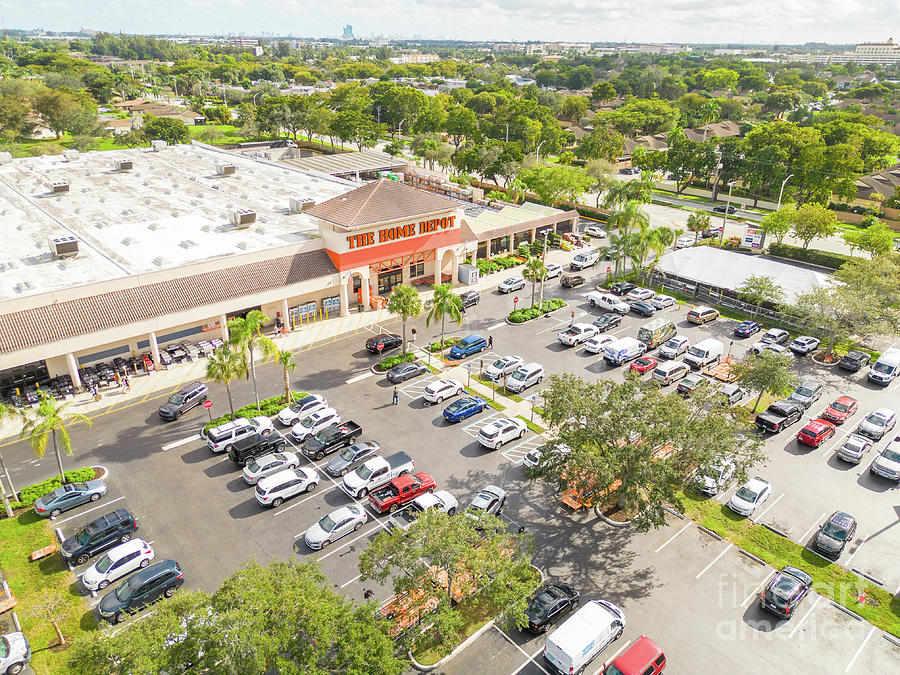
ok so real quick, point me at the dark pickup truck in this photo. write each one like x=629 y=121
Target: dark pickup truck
x=330 y=439
x=779 y=415
x=244 y=450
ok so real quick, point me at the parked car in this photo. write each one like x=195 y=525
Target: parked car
x=662 y=301
x=571 y=280
x=437 y=391
x=815 y=433
x=804 y=344
x=183 y=400
x=339 y=523
x=854 y=361
x=469 y=298
x=775 y=336
x=273 y=490
x=670 y=371
x=887 y=464
x=553 y=270
x=299 y=409
x=784 y=593
x=581 y=637
x=747 y=328
x=489 y=500
x=749 y=496
x=331 y=439
x=388 y=341
x=549 y=604
x=834 y=535
x=375 y=472
x=142 y=589
x=674 y=347
x=314 y=423
x=605 y=322
x=441 y=500
x=576 y=334
x=464 y=408
x=758 y=348
x=710 y=480
x=608 y=301
x=511 y=284
x=349 y=458
x=267 y=465
x=497 y=432
x=731 y=393
x=584 y=260
x=533 y=457
x=405 y=371
x=98 y=535
x=644 y=657
x=842 y=409
x=854 y=448
x=691 y=383
x=643 y=308
x=685 y=241
x=68 y=497
x=630 y=171
x=469 y=345
x=643 y=364
x=503 y=367
x=877 y=423
x=247 y=449
x=724 y=209
x=399 y=491
x=779 y=415
x=524 y=376
x=221 y=438
x=640 y=294
x=595 y=231
x=116 y=563
x=622 y=287
x=807 y=393
x=702 y=315
x=15 y=653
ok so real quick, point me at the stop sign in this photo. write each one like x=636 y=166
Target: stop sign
x=207 y=403
x=380 y=346
x=516 y=299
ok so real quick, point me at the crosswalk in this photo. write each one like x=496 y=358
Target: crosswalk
x=516 y=453
x=473 y=427
x=416 y=388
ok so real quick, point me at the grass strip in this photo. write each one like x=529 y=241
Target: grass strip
x=536 y=428
x=474 y=615
x=493 y=404
x=501 y=389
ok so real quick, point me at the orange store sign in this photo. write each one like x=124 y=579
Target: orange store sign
x=399 y=232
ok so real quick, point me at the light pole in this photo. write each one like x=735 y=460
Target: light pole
x=507 y=132
x=725 y=217
x=538 y=152
x=543 y=257
x=781 y=191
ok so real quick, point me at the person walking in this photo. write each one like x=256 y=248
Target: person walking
x=127 y=383
x=396 y=397
x=490 y=341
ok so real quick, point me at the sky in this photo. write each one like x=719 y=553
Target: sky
x=680 y=21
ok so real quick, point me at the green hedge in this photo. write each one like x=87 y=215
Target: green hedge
x=268 y=407
x=31 y=493
x=812 y=256
x=436 y=346
x=391 y=361
x=528 y=313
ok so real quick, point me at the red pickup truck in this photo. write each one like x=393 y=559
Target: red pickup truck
x=401 y=490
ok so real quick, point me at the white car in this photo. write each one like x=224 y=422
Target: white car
x=273 y=490
x=775 y=336
x=877 y=423
x=299 y=409
x=116 y=563
x=685 y=241
x=511 y=284
x=314 y=423
x=674 y=347
x=854 y=448
x=638 y=294
x=577 y=333
x=335 y=525
x=221 y=438
x=887 y=464
x=553 y=270
x=596 y=344
x=268 y=465
x=441 y=500
x=749 y=496
x=714 y=478
x=804 y=344
x=595 y=231
x=533 y=457
x=436 y=392
x=15 y=652
x=760 y=347
x=494 y=434
x=503 y=367
x=662 y=301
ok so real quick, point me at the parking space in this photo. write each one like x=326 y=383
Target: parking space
x=516 y=453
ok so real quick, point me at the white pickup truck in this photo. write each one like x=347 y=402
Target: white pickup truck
x=375 y=473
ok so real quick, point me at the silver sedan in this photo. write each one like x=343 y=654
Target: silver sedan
x=268 y=465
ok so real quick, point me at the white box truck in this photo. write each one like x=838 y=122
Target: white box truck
x=704 y=353
x=622 y=350
x=578 y=641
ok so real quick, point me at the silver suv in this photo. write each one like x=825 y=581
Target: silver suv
x=221 y=438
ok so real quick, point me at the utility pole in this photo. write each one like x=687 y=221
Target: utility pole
x=725 y=217
x=543 y=257
x=781 y=191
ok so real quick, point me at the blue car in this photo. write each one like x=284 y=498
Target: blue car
x=471 y=344
x=69 y=496
x=463 y=408
x=747 y=328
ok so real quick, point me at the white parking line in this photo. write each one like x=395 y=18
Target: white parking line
x=859 y=651
x=812 y=527
x=315 y=493
x=758 y=588
x=297 y=536
x=766 y=510
x=497 y=325
x=808 y=612
x=613 y=657
x=852 y=555
x=714 y=561
x=183 y=441
x=344 y=585
x=345 y=545
x=81 y=513
x=829 y=447
x=672 y=538
x=361 y=376
x=530 y=658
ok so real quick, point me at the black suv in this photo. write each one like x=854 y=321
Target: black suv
x=183 y=400
x=141 y=589
x=469 y=298
x=784 y=593
x=245 y=450
x=622 y=287
x=98 y=535
x=854 y=361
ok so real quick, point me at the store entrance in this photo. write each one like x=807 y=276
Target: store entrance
x=388 y=279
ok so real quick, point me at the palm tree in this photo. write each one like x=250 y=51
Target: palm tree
x=285 y=358
x=49 y=420
x=676 y=136
x=631 y=215
x=444 y=304
x=224 y=366
x=660 y=239
x=644 y=187
x=534 y=271
x=698 y=222
x=406 y=302
x=617 y=194
x=709 y=113
x=246 y=335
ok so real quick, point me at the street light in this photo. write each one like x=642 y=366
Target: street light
x=538 y=153
x=781 y=191
x=727 y=206
x=543 y=257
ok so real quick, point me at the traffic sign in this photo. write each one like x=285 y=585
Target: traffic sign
x=207 y=403
x=380 y=346
x=515 y=298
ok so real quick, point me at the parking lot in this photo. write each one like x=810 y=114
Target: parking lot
x=689 y=592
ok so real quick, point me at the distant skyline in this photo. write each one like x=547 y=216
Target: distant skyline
x=679 y=21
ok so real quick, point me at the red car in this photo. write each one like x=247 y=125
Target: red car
x=643 y=364
x=401 y=490
x=815 y=433
x=841 y=410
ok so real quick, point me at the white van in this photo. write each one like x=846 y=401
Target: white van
x=622 y=350
x=525 y=376
x=583 y=636
x=886 y=368
x=704 y=353
x=608 y=301
x=586 y=259
x=670 y=371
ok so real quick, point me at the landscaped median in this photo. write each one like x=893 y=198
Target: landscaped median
x=497 y=387
x=533 y=312
x=830 y=580
x=268 y=407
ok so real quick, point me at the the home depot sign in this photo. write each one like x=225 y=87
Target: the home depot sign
x=398 y=232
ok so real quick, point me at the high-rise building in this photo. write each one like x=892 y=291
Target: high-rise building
x=348 y=33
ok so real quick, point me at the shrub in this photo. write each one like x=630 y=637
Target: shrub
x=436 y=346
x=31 y=493
x=809 y=255
x=528 y=313
x=486 y=266
x=268 y=407
x=391 y=361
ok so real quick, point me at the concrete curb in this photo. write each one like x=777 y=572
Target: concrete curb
x=469 y=640
x=775 y=531
x=847 y=611
x=752 y=557
x=869 y=577
x=711 y=533
x=99 y=476
x=610 y=522
x=673 y=512
x=522 y=323
x=891 y=638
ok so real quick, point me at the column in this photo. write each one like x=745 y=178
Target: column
x=512 y=238
x=154 y=350
x=345 y=308
x=285 y=316
x=454 y=270
x=223 y=322
x=365 y=293
x=72 y=362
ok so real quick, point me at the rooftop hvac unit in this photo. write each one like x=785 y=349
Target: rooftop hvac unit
x=300 y=204
x=64 y=247
x=225 y=169
x=59 y=186
x=5 y=157
x=243 y=218
x=70 y=155
x=158 y=145
x=124 y=165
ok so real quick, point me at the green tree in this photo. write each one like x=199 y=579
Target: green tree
x=601 y=143
x=660 y=238
x=813 y=221
x=759 y=288
x=601 y=172
x=555 y=183
x=461 y=124
x=444 y=304
x=245 y=335
x=876 y=239
x=406 y=303
x=447 y=556
x=573 y=108
x=631 y=215
x=603 y=92
x=285 y=359
x=50 y=421
x=778 y=223
x=224 y=366
x=767 y=373
x=535 y=272
x=168 y=129
x=698 y=222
